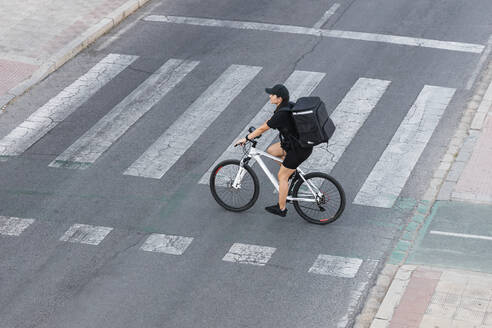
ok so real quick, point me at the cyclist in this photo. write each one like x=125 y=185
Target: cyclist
x=288 y=148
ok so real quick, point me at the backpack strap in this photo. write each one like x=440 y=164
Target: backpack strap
x=287 y=108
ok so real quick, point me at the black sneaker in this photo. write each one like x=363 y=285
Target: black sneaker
x=275 y=209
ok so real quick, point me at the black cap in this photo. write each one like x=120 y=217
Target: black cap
x=279 y=90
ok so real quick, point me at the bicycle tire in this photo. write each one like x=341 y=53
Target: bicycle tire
x=332 y=184
x=228 y=187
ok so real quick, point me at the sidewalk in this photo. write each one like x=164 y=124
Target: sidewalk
x=42 y=35
x=429 y=297
x=440 y=273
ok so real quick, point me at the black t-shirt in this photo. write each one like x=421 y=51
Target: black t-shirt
x=282 y=121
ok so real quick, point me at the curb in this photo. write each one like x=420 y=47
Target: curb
x=72 y=49
x=395 y=293
x=388 y=288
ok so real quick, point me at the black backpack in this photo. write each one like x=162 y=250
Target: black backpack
x=313 y=124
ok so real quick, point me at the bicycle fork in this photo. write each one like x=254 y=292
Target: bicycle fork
x=239 y=176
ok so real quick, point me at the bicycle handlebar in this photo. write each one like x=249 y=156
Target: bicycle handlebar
x=253 y=141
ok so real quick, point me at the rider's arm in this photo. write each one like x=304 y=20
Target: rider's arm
x=258 y=132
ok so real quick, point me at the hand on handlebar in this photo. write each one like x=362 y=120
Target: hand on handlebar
x=240 y=142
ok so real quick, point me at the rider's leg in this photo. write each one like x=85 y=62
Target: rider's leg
x=277 y=151
x=283 y=185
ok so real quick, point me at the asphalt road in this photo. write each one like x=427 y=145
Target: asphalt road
x=47 y=282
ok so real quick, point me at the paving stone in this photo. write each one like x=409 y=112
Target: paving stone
x=456 y=171
x=429 y=321
x=454 y=277
x=470 y=316
x=379 y=323
x=474 y=304
x=441 y=311
x=427 y=274
x=446 y=299
x=451 y=287
x=446 y=190
x=488 y=319
x=479 y=290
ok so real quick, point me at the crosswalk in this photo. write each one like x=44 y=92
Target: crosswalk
x=62 y=105
x=382 y=186
x=164 y=244
x=159 y=158
x=88 y=148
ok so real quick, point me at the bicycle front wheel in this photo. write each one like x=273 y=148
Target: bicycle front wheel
x=234 y=198
x=328 y=205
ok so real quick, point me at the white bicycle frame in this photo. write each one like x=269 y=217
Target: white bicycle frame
x=256 y=155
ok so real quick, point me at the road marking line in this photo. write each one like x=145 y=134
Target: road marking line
x=175 y=245
x=390 y=174
x=374 y=37
x=12 y=226
x=86 y=234
x=62 y=105
x=88 y=148
x=171 y=145
x=336 y=266
x=249 y=254
x=349 y=116
x=327 y=15
x=461 y=235
x=300 y=83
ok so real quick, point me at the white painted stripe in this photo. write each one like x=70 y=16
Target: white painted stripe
x=175 y=245
x=249 y=254
x=11 y=226
x=87 y=149
x=327 y=15
x=337 y=266
x=349 y=116
x=461 y=235
x=374 y=37
x=62 y=105
x=391 y=172
x=171 y=145
x=300 y=83
x=86 y=234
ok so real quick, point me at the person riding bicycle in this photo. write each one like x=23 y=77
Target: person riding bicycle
x=288 y=148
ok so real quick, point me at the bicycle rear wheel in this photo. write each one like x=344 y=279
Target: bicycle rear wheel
x=221 y=185
x=328 y=207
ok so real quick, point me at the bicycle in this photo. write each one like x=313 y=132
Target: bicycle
x=232 y=177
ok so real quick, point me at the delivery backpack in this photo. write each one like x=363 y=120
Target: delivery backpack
x=313 y=124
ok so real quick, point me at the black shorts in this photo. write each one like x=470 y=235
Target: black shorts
x=295 y=156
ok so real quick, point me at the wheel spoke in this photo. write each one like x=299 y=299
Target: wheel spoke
x=229 y=197
x=333 y=199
